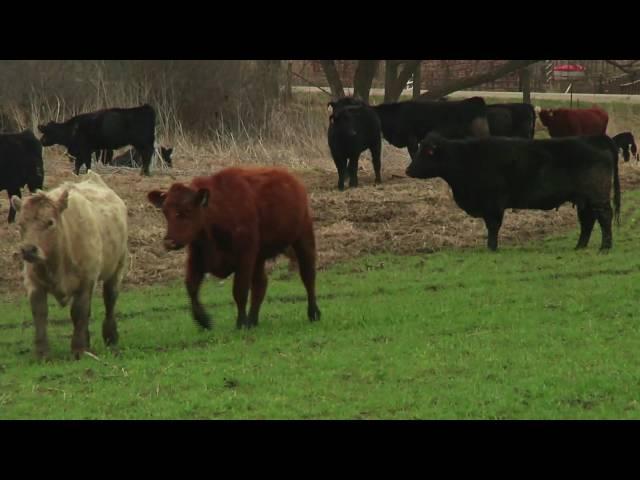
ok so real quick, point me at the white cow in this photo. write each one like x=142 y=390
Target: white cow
x=72 y=237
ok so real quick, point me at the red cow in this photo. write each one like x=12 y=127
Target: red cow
x=565 y=122
x=232 y=222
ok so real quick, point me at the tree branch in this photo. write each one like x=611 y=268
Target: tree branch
x=461 y=84
x=624 y=67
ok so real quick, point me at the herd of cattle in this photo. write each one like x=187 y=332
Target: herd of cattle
x=232 y=222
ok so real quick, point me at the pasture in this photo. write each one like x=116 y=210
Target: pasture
x=418 y=319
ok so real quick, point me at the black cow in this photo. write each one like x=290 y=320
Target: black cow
x=490 y=175
x=20 y=164
x=353 y=128
x=511 y=120
x=404 y=124
x=104 y=130
x=625 y=141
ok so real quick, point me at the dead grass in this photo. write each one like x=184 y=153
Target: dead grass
x=402 y=215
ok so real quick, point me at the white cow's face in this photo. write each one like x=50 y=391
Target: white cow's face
x=38 y=218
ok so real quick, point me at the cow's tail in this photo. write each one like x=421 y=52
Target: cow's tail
x=533 y=121
x=616 y=181
x=634 y=148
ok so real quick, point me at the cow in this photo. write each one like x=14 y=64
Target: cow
x=566 y=122
x=404 y=124
x=625 y=141
x=490 y=175
x=232 y=222
x=511 y=120
x=20 y=164
x=72 y=237
x=131 y=158
x=353 y=128
x=105 y=129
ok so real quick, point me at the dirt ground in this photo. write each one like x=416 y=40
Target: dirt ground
x=402 y=215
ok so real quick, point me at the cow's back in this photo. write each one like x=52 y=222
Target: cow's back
x=95 y=224
x=267 y=202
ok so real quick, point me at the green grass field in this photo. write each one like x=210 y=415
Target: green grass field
x=536 y=331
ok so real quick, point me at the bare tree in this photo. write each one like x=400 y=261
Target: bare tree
x=525 y=84
x=394 y=81
x=363 y=78
x=417 y=80
x=460 y=84
x=331 y=72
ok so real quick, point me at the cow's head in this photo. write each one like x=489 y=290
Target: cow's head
x=56 y=134
x=165 y=154
x=344 y=114
x=183 y=207
x=427 y=162
x=38 y=219
x=546 y=116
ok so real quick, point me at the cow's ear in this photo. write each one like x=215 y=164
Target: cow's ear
x=16 y=202
x=156 y=198
x=330 y=107
x=63 y=201
x=202 y=197
x=41 y=128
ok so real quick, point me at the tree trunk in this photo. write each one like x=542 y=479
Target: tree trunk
x=461 y=84
x=363 y=78
x=331 y=72
x=288 y=91
x=417 y=81
x=394 y=83
x=390 y=74
x=525 y=83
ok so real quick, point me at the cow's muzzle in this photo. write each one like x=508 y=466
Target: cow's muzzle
x=30 y=253
x=171 y=244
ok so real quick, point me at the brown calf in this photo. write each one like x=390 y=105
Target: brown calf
x=232 y=222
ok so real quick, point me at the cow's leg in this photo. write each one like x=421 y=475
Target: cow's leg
x=195 y=276
x=78 y=164
x=412 y=146
x=305 y=251
x=587 y=219
x=375 y=159
x=107 y=157
x=604 y=215
x=12 y=211
x=109 y=327
x=145 y=154
x=80 y=313
x=258 y=290
x=341 y=166
x=39 y=311
x=493 y=221
x=241 y=284
x=353 y=171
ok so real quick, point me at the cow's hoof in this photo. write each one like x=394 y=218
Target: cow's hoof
x=314 y=314
x=203 y=320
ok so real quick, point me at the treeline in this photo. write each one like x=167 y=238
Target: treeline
x=197 y=96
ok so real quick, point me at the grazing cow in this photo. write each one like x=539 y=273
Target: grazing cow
x=625 y=141
x=511 y=120
x=20 y=164
x=232 y=222
x=404 y=124
x=566 y=122
x=104 y=130
x=131 y=158
x=353 y=128
x=488 y=176
x=72 y=237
